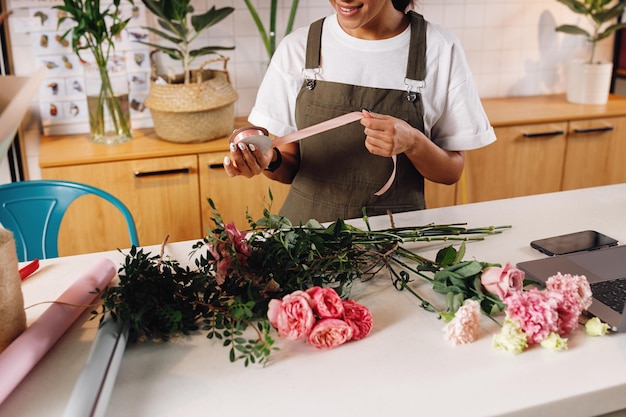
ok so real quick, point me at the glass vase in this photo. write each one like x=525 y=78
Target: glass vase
x=107 y=102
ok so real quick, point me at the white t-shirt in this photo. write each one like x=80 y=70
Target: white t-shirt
x=453 y=114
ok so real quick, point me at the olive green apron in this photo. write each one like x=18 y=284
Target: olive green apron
x=338 y=177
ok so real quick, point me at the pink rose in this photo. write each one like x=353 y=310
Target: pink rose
x=326 y=302
x=502 y=281
x=292 y=316
x=359 y=318
x=329 y=333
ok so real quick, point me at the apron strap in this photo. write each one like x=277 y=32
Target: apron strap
x=416 y=66
x=314 y=45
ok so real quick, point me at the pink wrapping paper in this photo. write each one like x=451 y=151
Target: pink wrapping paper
x=24 y=353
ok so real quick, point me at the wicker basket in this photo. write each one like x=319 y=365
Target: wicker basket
x=196 y=112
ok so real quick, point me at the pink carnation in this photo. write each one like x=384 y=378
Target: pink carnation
x=464 y=327
x=577 y=285
x=535 y=311
x=292 y=316
x=329 y=333
x=359 y=318
x=326 y=302
x=568 y=309
x=502 y=281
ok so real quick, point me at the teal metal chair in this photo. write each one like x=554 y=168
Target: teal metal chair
x=33 y=211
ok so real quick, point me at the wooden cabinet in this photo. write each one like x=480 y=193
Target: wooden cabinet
x=233 y=197
x=546 y=144
x=161 y=193
x=165 y=185
x=596 y=153
x=525 y=160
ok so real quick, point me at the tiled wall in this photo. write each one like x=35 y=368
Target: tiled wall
x=511 y=45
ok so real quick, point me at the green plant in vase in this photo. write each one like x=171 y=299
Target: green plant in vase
x=601 y=14
x=94 y=33
x=268 y=35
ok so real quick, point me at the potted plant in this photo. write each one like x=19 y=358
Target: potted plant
x=589 y=80
x=197 y=105
x=92 y=39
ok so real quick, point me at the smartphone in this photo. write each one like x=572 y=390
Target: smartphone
x=573 y=242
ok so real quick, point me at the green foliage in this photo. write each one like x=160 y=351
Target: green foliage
x=96 y=27
x=600 y=14
x=235 y=274
x=180 y=28
x=268 y=36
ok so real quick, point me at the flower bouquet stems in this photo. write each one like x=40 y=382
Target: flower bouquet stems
x=109 y=116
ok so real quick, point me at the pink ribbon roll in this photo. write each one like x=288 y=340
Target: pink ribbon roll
x=260 y=137
x=17 y=360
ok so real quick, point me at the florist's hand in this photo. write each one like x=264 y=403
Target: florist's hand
x=387 y=135
x=246 y=160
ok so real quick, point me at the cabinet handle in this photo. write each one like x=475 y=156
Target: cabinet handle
x=594 y=130
x=140 y=174
x=216 y=166
x=544 y=134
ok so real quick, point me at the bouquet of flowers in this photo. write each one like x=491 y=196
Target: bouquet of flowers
x=297 y=279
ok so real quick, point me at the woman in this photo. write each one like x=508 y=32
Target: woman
x=423 y=111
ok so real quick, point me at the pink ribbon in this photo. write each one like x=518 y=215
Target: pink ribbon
x=256 y=135
x=17 y=360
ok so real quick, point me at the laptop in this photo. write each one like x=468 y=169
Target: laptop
x=605 y=270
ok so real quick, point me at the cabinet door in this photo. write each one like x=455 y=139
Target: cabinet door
x=441 y=195
x=525 y=160
x=233 y=196
x=596 y=153
x=161 y=193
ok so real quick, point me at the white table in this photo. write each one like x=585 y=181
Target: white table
x=405 y=367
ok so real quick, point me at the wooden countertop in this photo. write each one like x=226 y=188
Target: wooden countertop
x=66 y=150
x=506 y=111
x=509 y=111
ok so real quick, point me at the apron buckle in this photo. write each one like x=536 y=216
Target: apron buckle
x=413 y=88
x=310 y=76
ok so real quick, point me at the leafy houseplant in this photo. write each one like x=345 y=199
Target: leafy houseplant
x=95 y=31
x=180 y=28
x=269 y=35
x=589 y=80
x=197 y=105
x=600 y=13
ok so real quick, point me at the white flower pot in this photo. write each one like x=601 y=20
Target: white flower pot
x=589 y=83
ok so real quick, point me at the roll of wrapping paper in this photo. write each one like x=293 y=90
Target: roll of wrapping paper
x=26 y=351
x=94 y=386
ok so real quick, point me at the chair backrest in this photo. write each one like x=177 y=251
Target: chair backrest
x=33 y=211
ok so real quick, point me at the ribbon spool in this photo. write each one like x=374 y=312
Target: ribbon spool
x=258 y=136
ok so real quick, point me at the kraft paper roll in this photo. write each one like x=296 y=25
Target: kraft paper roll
x=26 y=351
x=12 y=315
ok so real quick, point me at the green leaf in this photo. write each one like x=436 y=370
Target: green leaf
x=210 y=18
x=446 y=256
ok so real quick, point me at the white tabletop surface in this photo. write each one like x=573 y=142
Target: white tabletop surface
x=404 y=368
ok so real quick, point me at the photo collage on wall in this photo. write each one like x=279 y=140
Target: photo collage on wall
x=62 y=98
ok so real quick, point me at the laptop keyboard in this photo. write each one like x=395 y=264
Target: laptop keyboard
x=612 y=293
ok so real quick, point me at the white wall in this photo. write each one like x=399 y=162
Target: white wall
x=511 y=46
